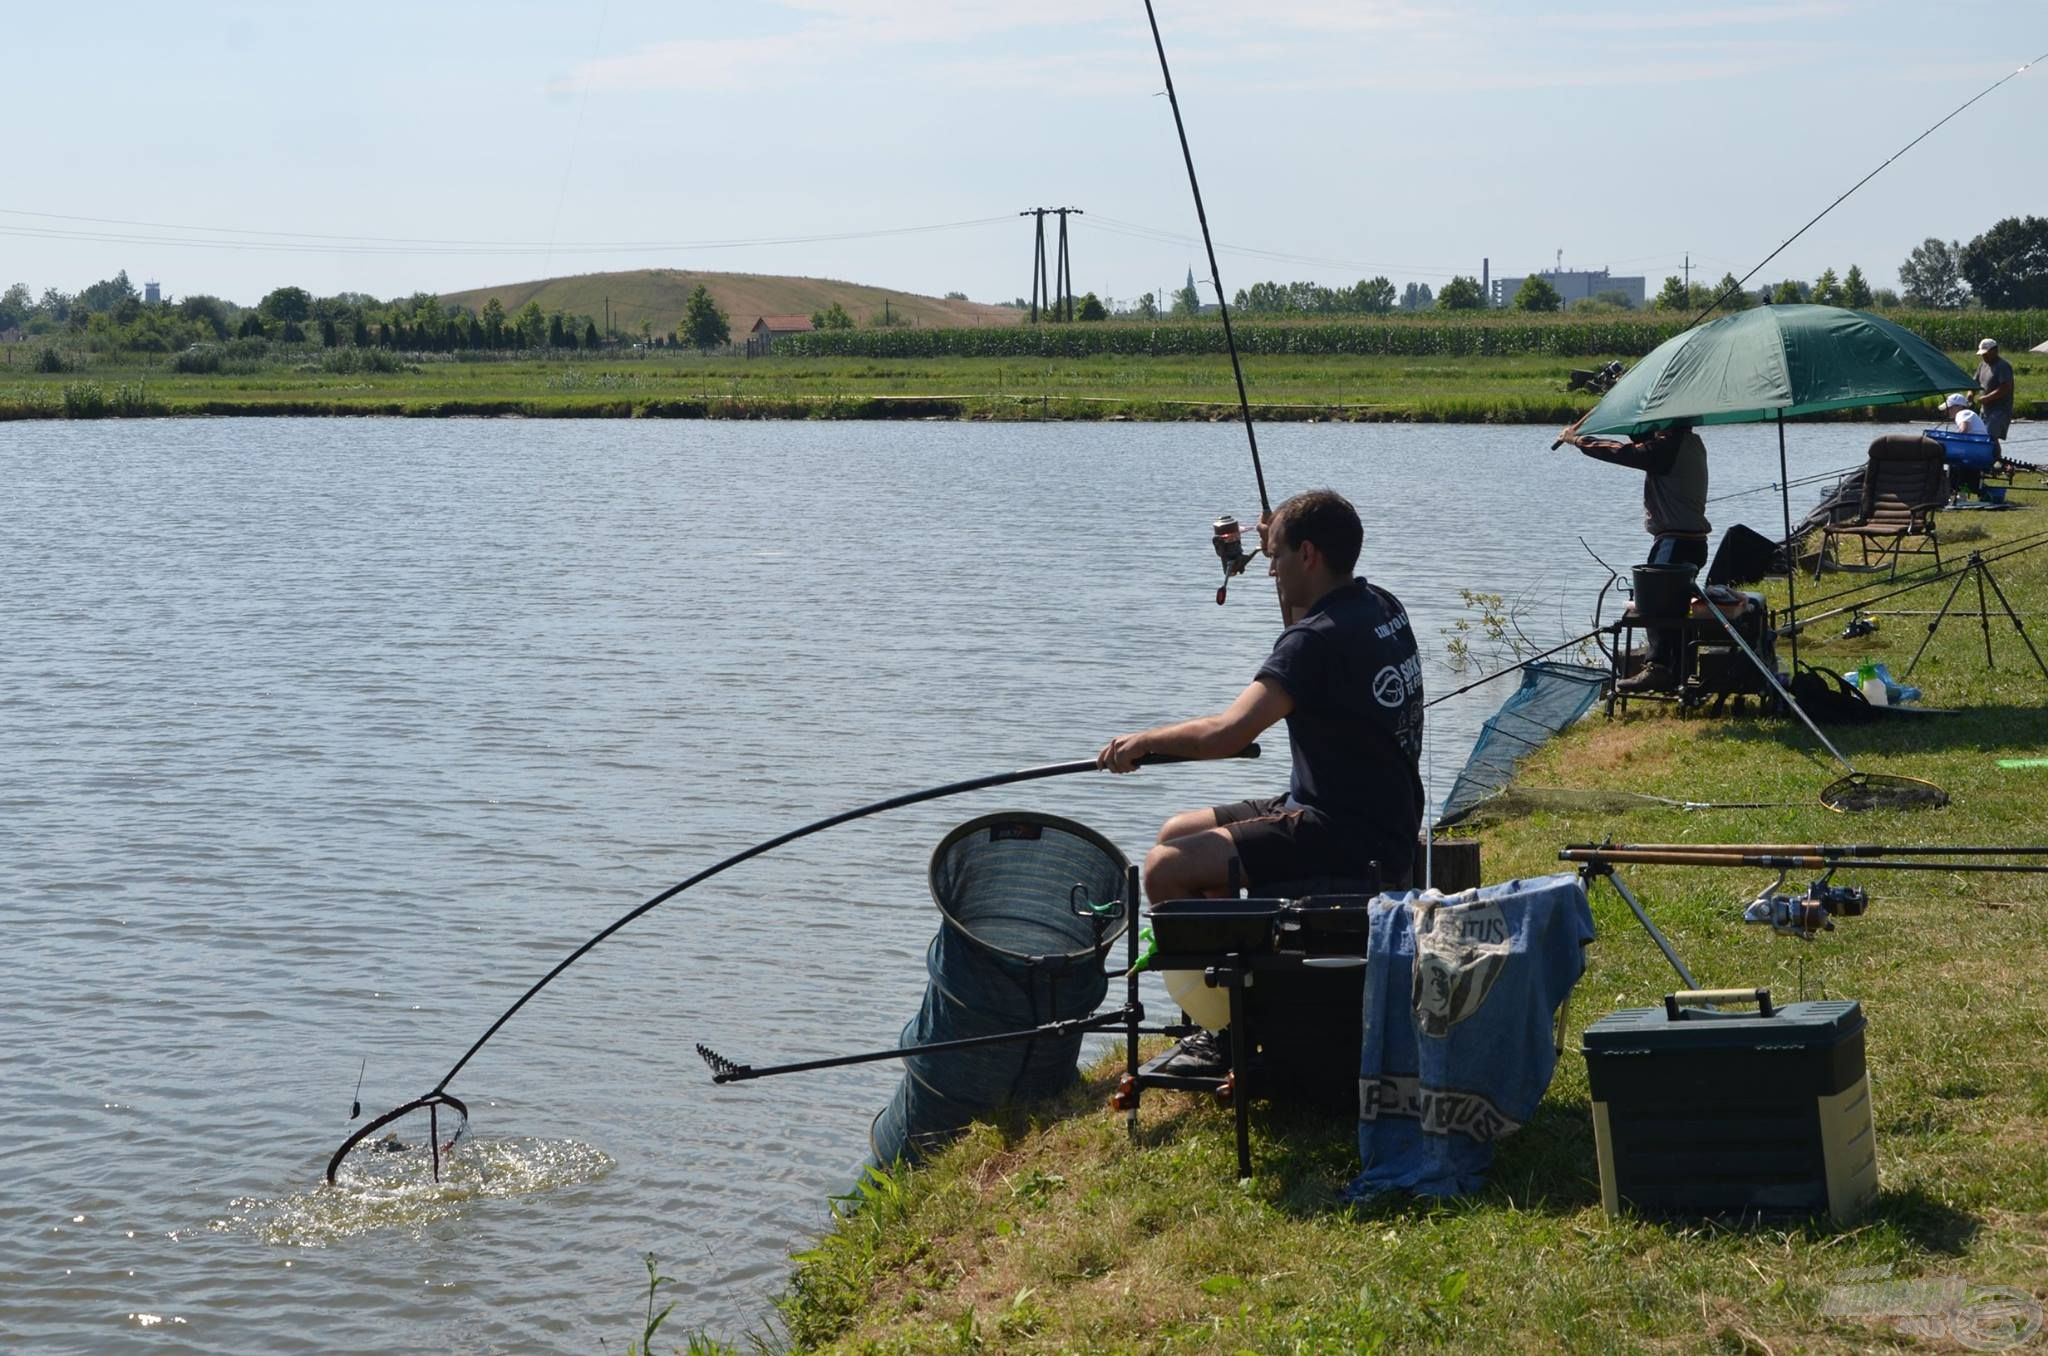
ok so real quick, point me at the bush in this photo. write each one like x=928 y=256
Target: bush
x=200 y=358
x=348 y=361
x=50 y=360
x=84 y=400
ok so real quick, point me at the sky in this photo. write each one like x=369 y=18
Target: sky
x=232 y=148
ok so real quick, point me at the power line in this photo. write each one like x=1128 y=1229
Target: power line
x=318 y=243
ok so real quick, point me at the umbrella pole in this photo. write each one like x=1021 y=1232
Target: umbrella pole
x=1791 y=564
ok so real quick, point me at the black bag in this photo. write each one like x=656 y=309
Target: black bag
x=1829 y=698
x=1744 y=557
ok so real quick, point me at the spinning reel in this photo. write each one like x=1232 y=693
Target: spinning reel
x=1805 y=916
x=1228 y=539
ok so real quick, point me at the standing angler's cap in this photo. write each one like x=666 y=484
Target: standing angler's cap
x=1987 y=346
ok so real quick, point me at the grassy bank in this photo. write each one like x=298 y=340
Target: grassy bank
x=1057 y=1233
x=1522 y=388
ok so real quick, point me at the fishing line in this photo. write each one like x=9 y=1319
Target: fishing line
x=1796 y=483
x=575 y=136
x=439 y=1096
x=1716 y=302
x=1244 y=403
x=1522 y=664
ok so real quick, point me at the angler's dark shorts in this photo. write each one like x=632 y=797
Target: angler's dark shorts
x=1276 y=843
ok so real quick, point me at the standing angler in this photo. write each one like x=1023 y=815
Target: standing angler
x=1674 y=466
x=1994 y=388
x=1346 y=678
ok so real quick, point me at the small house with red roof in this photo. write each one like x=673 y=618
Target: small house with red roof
x=769 y=328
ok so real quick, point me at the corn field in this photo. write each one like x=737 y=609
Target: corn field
x=1629 y=336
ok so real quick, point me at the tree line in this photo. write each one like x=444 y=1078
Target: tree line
x=111 y=315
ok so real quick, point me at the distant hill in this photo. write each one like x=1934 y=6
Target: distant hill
x=656 y=295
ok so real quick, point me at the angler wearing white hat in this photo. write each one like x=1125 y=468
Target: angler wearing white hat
x=1967 y=420
x=1994 y=386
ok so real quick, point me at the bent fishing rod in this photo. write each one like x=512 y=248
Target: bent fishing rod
x=439 y=1095
x=1716 y=303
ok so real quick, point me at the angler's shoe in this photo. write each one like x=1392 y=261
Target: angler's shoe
x=1649 y=678
x=1206 y=1054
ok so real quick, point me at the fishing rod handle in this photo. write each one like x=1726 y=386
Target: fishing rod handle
x=1156 y=759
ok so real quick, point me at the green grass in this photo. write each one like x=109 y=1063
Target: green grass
x=1054 y=1232
x=1512 y=389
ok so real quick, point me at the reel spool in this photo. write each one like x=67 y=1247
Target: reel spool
x=1805 y=916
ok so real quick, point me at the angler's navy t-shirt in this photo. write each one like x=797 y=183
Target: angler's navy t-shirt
x=1351 y=668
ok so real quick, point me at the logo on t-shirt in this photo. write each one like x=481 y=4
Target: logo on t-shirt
x=1387 y=687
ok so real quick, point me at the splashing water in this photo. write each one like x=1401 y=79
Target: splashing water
x=395 y=1189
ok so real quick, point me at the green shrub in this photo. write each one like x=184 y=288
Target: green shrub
x=50 y=360
x=84 y=400
x=348 y=361
x=200 y=358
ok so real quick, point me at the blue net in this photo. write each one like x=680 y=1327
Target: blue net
x=1026 y=907
x=1551 y=697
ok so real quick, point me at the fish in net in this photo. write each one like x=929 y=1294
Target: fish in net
x=411 y=1144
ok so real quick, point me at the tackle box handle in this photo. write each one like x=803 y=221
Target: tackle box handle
x=1760 y=997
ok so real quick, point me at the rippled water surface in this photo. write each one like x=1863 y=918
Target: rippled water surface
x=322 y=739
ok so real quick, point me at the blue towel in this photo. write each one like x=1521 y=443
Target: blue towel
x=1461 y=993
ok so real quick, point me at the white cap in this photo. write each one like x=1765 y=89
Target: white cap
x=1956 y=402
x=1986 y=345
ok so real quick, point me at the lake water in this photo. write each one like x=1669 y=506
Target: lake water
x=322 y=739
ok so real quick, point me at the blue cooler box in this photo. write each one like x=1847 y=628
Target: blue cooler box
x=1971 y=451
x=1698 y=1112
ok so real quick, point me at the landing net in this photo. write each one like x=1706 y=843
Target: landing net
x=411 y=1145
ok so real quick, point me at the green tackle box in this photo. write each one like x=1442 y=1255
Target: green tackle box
x=1765 y=1112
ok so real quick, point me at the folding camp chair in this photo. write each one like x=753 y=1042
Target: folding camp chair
x=1904 y=483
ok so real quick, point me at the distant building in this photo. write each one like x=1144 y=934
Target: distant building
x=152 y=292
x=1572 y=285
x=11 y=335
x=769 y=328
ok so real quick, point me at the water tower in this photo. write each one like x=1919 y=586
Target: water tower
x=152 y=292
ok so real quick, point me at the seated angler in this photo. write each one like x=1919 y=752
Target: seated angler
x=1346 y=678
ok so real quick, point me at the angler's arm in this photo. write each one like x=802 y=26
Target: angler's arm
x=1996 y=394
x=1217 y=736
x=1635 y=456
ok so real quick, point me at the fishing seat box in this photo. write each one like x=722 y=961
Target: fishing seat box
x=1763 y=1113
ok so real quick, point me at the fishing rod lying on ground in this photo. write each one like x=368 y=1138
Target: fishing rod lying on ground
x=1704 y=854
x=1824 y=849
x=438 y=1097
x=1802 y=915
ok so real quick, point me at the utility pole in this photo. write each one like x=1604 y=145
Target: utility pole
x=1688 y=277
x=1059 y=304
x=1066 y=266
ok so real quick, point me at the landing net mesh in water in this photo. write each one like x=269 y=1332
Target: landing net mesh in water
x=405 y=1147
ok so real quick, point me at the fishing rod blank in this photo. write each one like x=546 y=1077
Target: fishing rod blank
x=1824 y=849
x=1716 y=302
x=724 y=1070
x=1779 y=861
x=439 y=1096
x=1244 y=403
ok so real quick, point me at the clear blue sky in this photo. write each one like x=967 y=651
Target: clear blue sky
x=1362 y=137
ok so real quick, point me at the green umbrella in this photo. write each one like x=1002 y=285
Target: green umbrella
x=1775 y=362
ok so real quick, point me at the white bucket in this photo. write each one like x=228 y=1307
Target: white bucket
x=1205 y=1006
